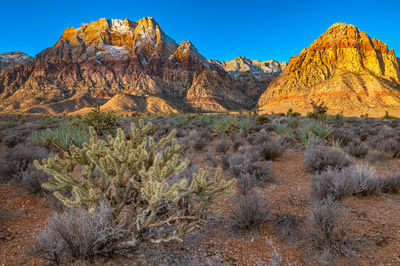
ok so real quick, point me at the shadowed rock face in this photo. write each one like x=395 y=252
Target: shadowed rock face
x=105 y=58
x=345 y=68
x=13 y=59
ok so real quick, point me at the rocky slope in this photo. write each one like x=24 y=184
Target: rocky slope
x=13 y=59
x=109 y=60
x=253 y=74
x=346 y=69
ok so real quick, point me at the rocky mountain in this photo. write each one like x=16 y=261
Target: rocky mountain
x=108 y=61
x=346 y=69
x=13 y=59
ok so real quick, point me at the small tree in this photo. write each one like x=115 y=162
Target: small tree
x=102 y=122
x=134 y=177
x=319 y=111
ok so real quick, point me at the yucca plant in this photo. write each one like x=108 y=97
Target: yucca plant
x=282 y=129
x=60 y=139
x=225 y=125
x=310 y=128
x=244 y=126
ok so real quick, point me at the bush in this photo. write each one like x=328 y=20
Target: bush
x=14 y=161
x=244 y=126
x=225 y=125
x=272 y=149
x=346 y=136
x=313 y=128
x=263 y=119
x=33 y=178
x=245 y=183
x=136 y=175
x=251 y=211
x=196 y=141
x=222 y=145
x=286 y=226
x=327 y=231
x=318 y=158
x=360 y=180
x=102 y=122
x=60 y=139
x=390 y=184
x=282 y=129
x=78 y=234
x=246 y=163
x=319 y=111
x=391 y=147
x=357 y=150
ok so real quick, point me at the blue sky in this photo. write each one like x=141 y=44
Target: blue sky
x=219 y=29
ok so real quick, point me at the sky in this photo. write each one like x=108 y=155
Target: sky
x=219 y=29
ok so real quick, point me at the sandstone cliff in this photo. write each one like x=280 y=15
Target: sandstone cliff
x=107 y=58
x=346 y=69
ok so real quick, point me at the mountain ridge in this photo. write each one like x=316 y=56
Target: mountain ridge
x=104 y=58
x=345 y=68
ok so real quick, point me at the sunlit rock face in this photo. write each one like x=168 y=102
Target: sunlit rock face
x=107 y=58
x=345 y=68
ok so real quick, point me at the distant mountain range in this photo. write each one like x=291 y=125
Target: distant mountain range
x=109 y=60
x=134 y=66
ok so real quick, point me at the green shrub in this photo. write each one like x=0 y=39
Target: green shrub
x=7 y=124
x=282 y=129
x=225 y=125
x=263 y=119
x=244 y=125
x=139 y=177
x=319 y=111
x=102 y=122
x=310 y=128
x=60 y=139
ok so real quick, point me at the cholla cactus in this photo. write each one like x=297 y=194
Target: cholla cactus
x=134 y=173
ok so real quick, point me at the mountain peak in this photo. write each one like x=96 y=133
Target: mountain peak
x=344 y=67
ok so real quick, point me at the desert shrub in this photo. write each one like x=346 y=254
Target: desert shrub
x=134 y=176
x=319 y=157
x=246 y=163
x=360 y=180
x=101 y=121
x=356 y=149
x=282 y=129
x=327 y=230
x=33 y=178
x=390 y=184
x=237 y=144
x=286 y=225
x=272 y=149
x=204 y=119
x=7 y=124
x=225 y=161
x=222 y=145
x=14 y=161
x=245 y=183
x=251 y=211
x=263 y=119
x=244 y=126
x=225 y=125
x=345 y=135
x=319 y=111
x=313 y=128
x=197 y=141
x=391 y=147
x=78 y=234
x=61 y=138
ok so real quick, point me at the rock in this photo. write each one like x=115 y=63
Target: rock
x=346 y=69
x=105 y=58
